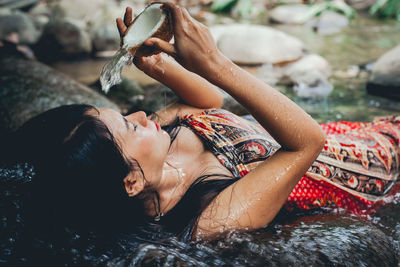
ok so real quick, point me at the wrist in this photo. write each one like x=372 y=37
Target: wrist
x=218 y=67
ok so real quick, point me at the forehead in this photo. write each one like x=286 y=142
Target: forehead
x=111 y=118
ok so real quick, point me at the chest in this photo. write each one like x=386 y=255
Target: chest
x=189 y=150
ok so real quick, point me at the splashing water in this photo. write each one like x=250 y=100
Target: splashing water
x=111 y=72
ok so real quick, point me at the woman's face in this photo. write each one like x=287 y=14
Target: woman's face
x=141 y=139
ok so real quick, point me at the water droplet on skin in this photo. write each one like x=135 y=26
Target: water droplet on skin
x=163 y=71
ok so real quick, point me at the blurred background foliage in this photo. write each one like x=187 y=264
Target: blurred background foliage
x=386 y=8
x=381 y=8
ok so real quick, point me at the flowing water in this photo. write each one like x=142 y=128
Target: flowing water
x=111 y=72
x=351 y=54
x=322 y=237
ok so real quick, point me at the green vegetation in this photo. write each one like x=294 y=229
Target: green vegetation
x=243 y=7
x=223 y=5
x=386 y=9
x=382 y=8
x=336 y=6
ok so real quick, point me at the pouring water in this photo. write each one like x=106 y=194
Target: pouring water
x=111 y=72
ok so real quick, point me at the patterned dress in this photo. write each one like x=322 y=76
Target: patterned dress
x=356 y=169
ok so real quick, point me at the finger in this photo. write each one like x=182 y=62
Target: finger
x=121 y=27
x=161 y=45
x=186 y=14
x=176 y=12
x=128 y=16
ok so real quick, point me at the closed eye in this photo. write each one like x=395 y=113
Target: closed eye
x=129 y=124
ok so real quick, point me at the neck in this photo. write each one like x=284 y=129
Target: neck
x=175 y=181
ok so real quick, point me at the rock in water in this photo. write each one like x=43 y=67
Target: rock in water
x=310 y=76
x=16 y=3
x=256 y=44
x=29 y=88
x=21 y=24
x=63 y=38
x=288 y=14
x=385 y=79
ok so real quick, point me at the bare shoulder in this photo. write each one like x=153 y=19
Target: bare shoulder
x=167 y=115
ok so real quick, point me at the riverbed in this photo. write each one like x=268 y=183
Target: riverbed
x=322 y=237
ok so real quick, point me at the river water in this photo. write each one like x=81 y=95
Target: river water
x=318 y=238
x=350 y=54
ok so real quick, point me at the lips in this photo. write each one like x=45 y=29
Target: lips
x=157 y=126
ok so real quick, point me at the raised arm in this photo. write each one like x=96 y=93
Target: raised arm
x=194 y=90
x=254 y=200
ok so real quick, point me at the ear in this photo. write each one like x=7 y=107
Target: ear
x=133 y=184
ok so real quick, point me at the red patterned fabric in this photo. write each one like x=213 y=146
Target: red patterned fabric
x=356 y=169
x=310 y=193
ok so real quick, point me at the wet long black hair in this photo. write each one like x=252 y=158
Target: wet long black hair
x=80 y=170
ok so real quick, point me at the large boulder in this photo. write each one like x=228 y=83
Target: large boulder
x=385 y=79
x=29 y=88
x=18 y=23
x=17 y=3
x=99 y=18
x=256 y=44
x=63 y=38
x=105 y=37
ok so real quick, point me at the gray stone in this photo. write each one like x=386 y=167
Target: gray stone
x=20 y=24
x=310 y=76
x=29 y=88
x=386 y=69
x=126 y=94
x=63 y=37
x=156 y=96
x=320 y=89
x=288 y=14
x=256 y=44
x=106 y=38
x=17 y=3
x=269 y=73
x=385 y=79
x=309 y=69
x=40 y=9
x=328 y=22
x=40 y=14
x=99 y=17
x=96 y=12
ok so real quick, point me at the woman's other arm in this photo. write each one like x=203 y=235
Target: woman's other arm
x=254 y=200
x=196 y=92
x=191 y=88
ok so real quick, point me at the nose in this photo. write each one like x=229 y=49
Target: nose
x=139 y=117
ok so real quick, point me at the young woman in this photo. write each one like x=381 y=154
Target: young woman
x=193 y=167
